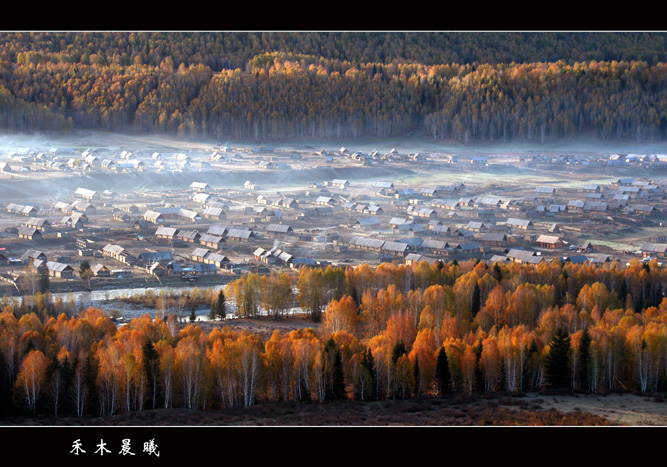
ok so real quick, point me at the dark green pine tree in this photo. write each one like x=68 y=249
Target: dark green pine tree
x=442 y=374
x=398 y=351
x=5 y=388
x=221 y=305
x=583 y=361
x=66 y=371
x=529 y=376
x=558 y=361
x=335 y=380
x=90 y=371
x=151 y=369
x=338 y=378
x=368 y=366
x=497 y=272
x=476 y=302
x=44 y=281
x=479 y=372
x=213 y=313
x=193 y=315
x=623 y=291
x=417 y=379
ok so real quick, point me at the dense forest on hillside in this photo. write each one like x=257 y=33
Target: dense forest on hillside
x=472 y=86
x=385 y=333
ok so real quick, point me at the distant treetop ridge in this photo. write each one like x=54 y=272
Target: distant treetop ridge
x=463 y=86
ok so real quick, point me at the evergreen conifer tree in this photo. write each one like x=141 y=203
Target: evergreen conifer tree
x=584 y=361
x=558 y=361
x=476 y=301
x=417 y=378
x=398 y=351
x=151 y=369
x=442 y=373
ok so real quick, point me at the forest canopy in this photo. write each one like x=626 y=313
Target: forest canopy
x=462 y=86
x=385 y=333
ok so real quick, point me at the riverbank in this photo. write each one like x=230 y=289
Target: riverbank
x=101 y=285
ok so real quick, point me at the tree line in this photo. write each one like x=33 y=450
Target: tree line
x=229 y=50
x=388 y=332
x=277 y=86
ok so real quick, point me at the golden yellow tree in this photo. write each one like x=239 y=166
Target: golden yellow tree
x=32 y=377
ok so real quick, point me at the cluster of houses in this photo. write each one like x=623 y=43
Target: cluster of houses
x=277 y=256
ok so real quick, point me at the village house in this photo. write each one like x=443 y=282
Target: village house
x=166 y=233
x=549 y=241
x=435 y=246
x=524 y=256
x=338 y=183
x=494 y=239
x=153 y=217
x=383 y=186
x=524 y=224
x=215 y=213
x=598 y=207
x=189 y=236
x=40 y=223
x=199 y=186
x=156 y=269
x=466 y=248
x=81 y=206
x=201 y=198
x=199 y=254
x=213 y=241
x=394 y=248
x=279 y=229
x=86 y=193
x=119 y=253
x=298 y=263
x=483 y=201
x=206 y=269
x=363 y=243
x=409 y=228
x=20 y=209
x=654 y=249
x=413 y=258
x=150 y=257
x=644 y=209
x=325 y=201
x=475 y=226
x=426 y=212
x=450 y=189
x=367 y=223
x=217 y=259
x=30 y=255
x=264 y=256
x=442 y=230
x=75 y=221
x=100 y=270
x=56 y=269
x=240 y=234
x=462 y=235
x=29 y=233
x=450 y=205
x=217 y=230
x=404 y=193
x=121 y=216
